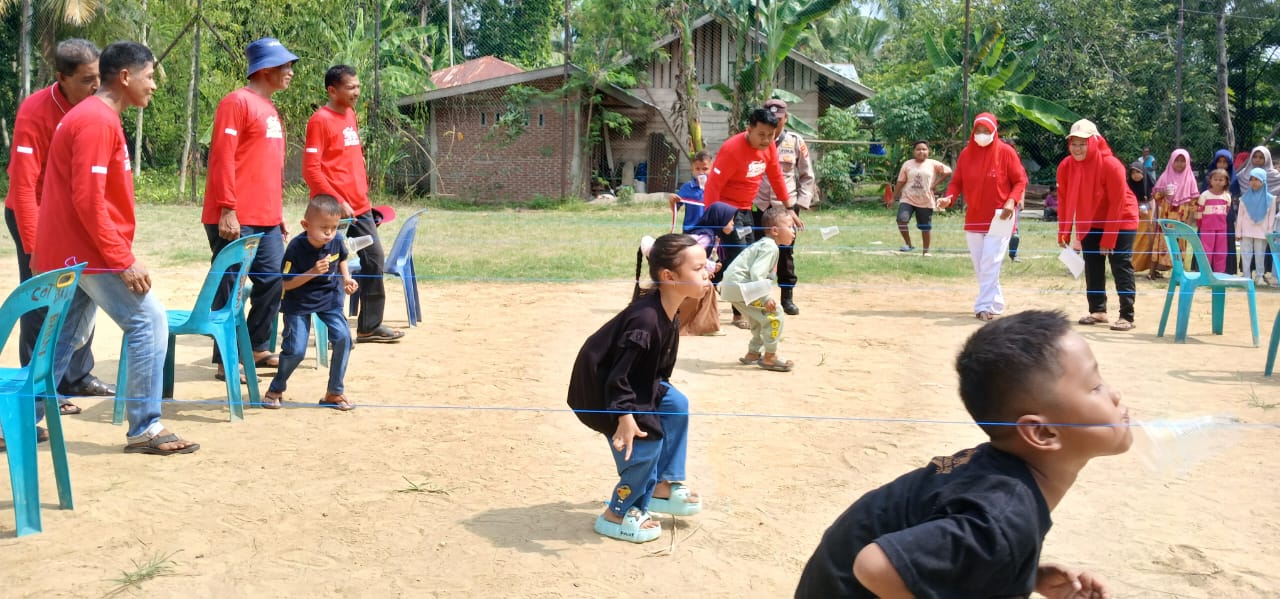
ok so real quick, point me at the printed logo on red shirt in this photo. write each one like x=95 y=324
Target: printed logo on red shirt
x=755 y=169
x=350 y=137
x=274 y=130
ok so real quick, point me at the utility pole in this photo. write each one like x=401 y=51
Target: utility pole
x=1177 y=125
x=964 y=100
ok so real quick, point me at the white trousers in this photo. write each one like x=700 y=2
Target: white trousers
x=987 y=253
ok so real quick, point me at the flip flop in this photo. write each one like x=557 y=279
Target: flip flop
x=380 y=335
x=68 y=409
x=152 y=446
x=678 y=504
x=1122 y=325
x=630 y=528
x=337 y=402
x=1091 y=320
x=267 y=361
x=777 y=366
x=271 y=400
x=222 y=376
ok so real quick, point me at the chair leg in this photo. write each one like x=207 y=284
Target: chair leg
x=1168 y=302
x=228 y=349
x=122 y=383
x=1271 y=348
x=245 y=347
x=322 y=341
x=1219 y=308
x=168 y=367
x=20 y=440
x=58 y=450
x=1186 y=296
x=1253 y=313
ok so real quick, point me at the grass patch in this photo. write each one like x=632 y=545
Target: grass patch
x=423 y=487
x=156 y=566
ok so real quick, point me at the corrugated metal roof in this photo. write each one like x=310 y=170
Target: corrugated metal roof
x=471 y=71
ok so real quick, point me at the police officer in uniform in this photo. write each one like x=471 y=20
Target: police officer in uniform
x=797 y=170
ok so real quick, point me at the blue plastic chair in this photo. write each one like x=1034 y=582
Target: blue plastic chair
x=400 y=264
x=225 y=325
x=20 y=386
x=1273 y=241
x=1186 y=283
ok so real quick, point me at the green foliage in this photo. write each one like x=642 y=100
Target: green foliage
x=518 y=31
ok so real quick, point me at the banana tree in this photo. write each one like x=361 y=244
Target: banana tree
x=71 y=12
x=763 y=33
x=1000 y=70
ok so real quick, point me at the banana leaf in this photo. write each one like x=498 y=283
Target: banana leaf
x=1046 y=113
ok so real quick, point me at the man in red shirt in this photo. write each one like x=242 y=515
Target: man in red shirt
x=87 y=214
x=244 y=190
x=333 y=164
x=76 y=70
x=741 y=163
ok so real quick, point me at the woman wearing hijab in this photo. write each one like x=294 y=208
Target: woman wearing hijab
x=1222 y=160
x=1093 y=196
x=1146 y=251
x=1260 y=157
x=702 y=316
x=1256 y=219
x=1175 y=196
x=990 y=176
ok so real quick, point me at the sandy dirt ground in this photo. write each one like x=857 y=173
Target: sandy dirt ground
x=462 y=475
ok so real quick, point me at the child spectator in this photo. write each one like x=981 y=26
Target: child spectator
x=620 y=388
x=972 y=524
x=315 y=291
x=756 y=263
x=1175 y=193
x=1051 y=204
x=1211 y=211
x=690 y=194
x=1254 y=221
x=916 y=180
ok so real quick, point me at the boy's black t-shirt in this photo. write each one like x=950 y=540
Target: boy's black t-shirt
x=322 y=292
x=966 y=526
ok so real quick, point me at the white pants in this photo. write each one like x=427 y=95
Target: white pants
x=1254 y=252
x=987 y=253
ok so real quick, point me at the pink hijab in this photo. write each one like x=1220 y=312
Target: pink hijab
x=1185 y=186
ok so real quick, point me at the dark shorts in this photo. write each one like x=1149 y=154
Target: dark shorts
x=924 y=216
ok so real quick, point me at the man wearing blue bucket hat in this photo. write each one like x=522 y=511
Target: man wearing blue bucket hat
x=245 y=185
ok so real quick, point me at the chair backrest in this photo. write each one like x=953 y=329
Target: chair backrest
x=232 y=261
x=343 y=225
x=1175 y=230
x=401 y=254
x=53 y=291
x=1273 y=242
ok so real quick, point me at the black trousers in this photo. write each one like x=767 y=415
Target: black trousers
x=373 y=293
x=81 y=365
x=1095 y=272
x=786 y=256
x=737 y=242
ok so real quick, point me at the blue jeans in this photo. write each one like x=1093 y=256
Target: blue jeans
x=297 y=327
x=146 y=328
x=264 y=273
x=651 y=461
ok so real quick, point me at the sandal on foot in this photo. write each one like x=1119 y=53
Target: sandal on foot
x=267 y=361
x=380 y=335
x=42 y=436
x=1122 y=325
x=222 y=376
x=906 y=248
x=337 y=402
x=678 y=504
x=745 y=361
x=1093 y=319
x=985 y=316
x=630 y=529
x=271 y=400
x=68 y=409
x=777 y=365
x=150 y=444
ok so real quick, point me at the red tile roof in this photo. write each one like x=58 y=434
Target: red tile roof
x=476 y=69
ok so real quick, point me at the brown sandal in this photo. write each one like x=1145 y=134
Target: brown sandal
x=1122 y=325
x=272 y=400
x=1093 y=319
x=337 y=402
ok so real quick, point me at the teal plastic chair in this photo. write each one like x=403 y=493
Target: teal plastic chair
x=20 y=386
x=1186 y=283
x=317 y=327
x=1273 y=242
x=225 y=325
x=400 y=264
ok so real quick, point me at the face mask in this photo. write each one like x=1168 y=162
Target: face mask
x=984 y=139
x=702 y=180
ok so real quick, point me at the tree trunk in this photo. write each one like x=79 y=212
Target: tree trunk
x=24 y=49
x=189 y=137
x=688 y=92
x=1224 y=104
x=137 y=128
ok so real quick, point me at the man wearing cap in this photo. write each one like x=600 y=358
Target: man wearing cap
x=743 y=160
x=76 y=71
x=244 y=191
x=797 y=169
x=333 y=164
x=1093 y=195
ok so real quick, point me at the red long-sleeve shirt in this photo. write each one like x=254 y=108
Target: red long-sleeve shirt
x=736 y=173
x=86 y=209
x=987 y=177
x=246 y=161
x=1093 y=194
x=38 y=117
x=333 y=161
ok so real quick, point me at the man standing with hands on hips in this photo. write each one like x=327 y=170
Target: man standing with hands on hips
x=797 y=170
x=743 y=160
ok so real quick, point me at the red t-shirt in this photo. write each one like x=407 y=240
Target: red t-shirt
x=736 y=173
x=246 y=161
x=86 y=208
x=38 y=117
x=333 y=162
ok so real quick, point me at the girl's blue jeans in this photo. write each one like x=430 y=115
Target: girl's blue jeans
x=652 y=461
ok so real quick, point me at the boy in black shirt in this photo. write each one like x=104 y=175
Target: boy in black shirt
x=971 y=525
x=315 y=290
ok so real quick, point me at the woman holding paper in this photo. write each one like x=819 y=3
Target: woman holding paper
x=1094 y=196
x=990 y=176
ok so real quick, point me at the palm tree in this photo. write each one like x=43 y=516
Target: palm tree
x=52 y=13
x=846 y=36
